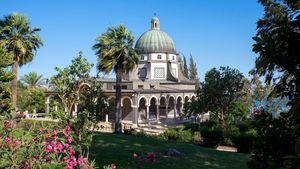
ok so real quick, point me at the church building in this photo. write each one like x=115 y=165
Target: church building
x=156 y=90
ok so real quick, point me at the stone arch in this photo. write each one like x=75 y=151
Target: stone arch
x=186 y=99
x=179 y=105
x=143 y=97
x=127 y=113
x=152 y=107
x=171 y=104
x=126 y=97
x=162 y=106
x=193 y=98
x=153 y=96
x=84 y=85
x=142 y=109
x=169 y=97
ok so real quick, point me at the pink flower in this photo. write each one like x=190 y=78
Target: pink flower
x=48 y=148
x=69 y=166
x=54 y=133
x=135 y=155
x=8 y=124
x=67 y=131
x=67 y=145
x=7 y=139
x=59 y=147
x=112 y=166
x=82 y=161
x=21 y=115
x=17 y=142
x=69 y=140
x=71 y=151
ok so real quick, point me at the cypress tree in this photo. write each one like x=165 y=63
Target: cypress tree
x=193 y=72
x=185 y=68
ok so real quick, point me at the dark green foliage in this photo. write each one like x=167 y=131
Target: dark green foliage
x=212 y=136
x=276 y=138
x=5 y=78
x=244 y=141
x=277 y=44
x=219 y=91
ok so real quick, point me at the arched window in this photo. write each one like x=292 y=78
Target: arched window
x=159 y=57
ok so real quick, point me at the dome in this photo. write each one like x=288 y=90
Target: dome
x=155 y=40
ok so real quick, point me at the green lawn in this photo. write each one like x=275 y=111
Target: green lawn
x=118 y=149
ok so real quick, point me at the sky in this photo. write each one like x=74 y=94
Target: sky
x=216 y=34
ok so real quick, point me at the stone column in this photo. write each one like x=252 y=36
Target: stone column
x=157 y=112
x=147 y=112
x=181 y=108
x=167 y=105
x=175 y=109
x=106 y=118
x=135 y=111
x=47 y=104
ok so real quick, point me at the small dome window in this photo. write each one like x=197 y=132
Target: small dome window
x=143 y=57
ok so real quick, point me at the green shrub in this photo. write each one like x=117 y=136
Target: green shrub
x=193 y=127
x=178 y=134
x=244 y=141
x=171 y=134
x=212 y=136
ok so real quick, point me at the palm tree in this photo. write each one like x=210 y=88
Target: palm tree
x=115 y=52
x=32 y=79
x=17 y=37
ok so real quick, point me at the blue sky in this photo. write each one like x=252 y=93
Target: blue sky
x=216 y=34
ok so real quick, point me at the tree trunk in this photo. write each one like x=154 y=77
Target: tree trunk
x=118 y=125
x=14 y=84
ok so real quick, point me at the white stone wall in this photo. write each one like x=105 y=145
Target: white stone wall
x=158 y=65
x=153 y=56
x=171 y=56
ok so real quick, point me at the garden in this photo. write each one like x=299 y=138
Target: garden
x=258 y=115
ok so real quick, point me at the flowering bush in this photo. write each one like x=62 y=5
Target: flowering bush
x=39 y=148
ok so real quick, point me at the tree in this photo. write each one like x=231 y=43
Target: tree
x=32 y=99
x=277 y=44
x=32 y=79
x=219 y=91
x=68 y=81
x=185 y=68
x=194 y=72
x=18 y=38
x=115 y=52
x=5 y=77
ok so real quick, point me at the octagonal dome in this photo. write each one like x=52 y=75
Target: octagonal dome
x=155 y=40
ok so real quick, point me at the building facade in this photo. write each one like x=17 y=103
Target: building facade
x=156 y=90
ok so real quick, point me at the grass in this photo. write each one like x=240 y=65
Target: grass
x=118 y=149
